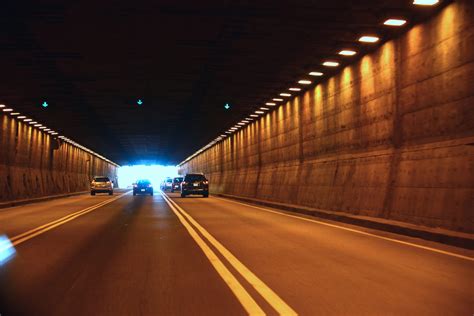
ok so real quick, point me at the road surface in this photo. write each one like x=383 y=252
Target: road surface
x=166 y=255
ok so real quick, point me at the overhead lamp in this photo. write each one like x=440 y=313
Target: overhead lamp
x=394 y=22
x=27 y=120
x=21 y=117
x=425 y=2
x=54 y=133
x=33 y=122
x=223 y=135
x=295 y=89
x=245 y=120
x=347 y=52
x=253 y=115
x=369 y=39
x=42 y=127
x=277 y=99
x=14 y=113
x=7 y=110
x=285 y=94
x=241 y=123
x=2 y=106
x=316 y=74
x=46 y=129
x=37 y=125
x=270 y=103
x=227 y=132
x=331 y=63
x=305 y=82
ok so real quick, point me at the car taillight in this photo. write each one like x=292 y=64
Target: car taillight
x=184 y=183
x=205 y=182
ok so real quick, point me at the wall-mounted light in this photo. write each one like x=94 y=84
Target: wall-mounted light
x=369 y=39
x=394 y=22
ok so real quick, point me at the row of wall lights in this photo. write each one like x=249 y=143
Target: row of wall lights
x=367 y=39
x=16 y=115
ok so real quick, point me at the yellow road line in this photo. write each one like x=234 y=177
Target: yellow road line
x=239 y=291
x=353 y=230
x=268 y=294
x=18 y=239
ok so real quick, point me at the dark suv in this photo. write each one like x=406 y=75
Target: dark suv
x=195 y=183
x=142 y=187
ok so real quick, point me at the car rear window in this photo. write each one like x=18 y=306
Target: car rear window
x=194 y=177
x=178 y=179
x=144 y=182
x=101 y=179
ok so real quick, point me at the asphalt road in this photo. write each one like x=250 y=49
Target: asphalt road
x=156 y=255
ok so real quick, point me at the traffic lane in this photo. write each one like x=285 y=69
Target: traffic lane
x=321 y=269
x=19 y=219
x=131 y=256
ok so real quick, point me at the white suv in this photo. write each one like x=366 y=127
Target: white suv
x=102 y=185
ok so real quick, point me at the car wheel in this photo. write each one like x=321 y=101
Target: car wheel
x=205 y=195
x=92 y=193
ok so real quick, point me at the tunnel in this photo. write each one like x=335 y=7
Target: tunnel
x=237 y=157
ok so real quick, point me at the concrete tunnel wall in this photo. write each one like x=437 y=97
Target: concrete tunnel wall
x=391 y=136
x=34 y=164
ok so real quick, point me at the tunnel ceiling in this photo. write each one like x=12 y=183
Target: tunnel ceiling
x=93 y=60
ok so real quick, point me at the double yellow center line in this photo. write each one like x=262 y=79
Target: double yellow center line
x=249 y=304
x=18 y=239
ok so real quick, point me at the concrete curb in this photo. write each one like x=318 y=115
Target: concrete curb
x=462 y=240
x=39 y=199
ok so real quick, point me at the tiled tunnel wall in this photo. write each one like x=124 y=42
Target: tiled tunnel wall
x=33 y=164
x=390 y=136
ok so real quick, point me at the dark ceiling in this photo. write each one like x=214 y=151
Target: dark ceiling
x=92 y=60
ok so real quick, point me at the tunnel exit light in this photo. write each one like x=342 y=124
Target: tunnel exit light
x=425 y=2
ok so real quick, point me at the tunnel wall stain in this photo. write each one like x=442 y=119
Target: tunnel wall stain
x=391 y=136
x=34 y=164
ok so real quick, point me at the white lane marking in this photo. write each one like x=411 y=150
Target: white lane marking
x=18 y=239
x=266 y=292
x=239 y=291
x=352 y=230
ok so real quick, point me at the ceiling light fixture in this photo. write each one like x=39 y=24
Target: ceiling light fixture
x=21 y=117
x=277 y=99
x=265 y=109
x=285 y=94
x=270 y=103
x=316 y=74
x=33 y=122
x=369 y=39
x=42 y=127
x=295 y=89
x=2 y=106
x=259 y=112
x=15 y=114
x=347 y=52
x=331 y=63
x=27 y=120
x=38 y=125
x=425 y=2
x=394 y=22
x=7 y=110
x=305 y=82
x=253 y=115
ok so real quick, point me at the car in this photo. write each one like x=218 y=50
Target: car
x=143 y=187
x=101 y=184
x=176 y=186
x=166 y=184
x=195 y=183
